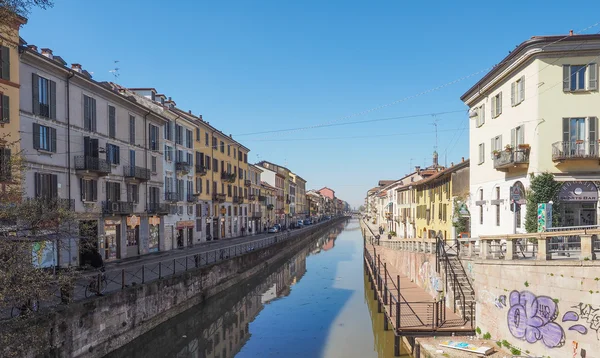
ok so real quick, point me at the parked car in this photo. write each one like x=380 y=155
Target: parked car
x=307 y=222
x=278 y=227
x=300 y=223
x=273 y=229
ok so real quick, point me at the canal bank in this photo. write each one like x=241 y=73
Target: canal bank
x=94 y=327
x=313 y=304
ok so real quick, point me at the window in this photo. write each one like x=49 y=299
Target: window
x=214 y=142
x=190 y=159
x=5 y=165
x=234 y=153
x=190 y=187
x=5 y=63
x=245 y=158
x=229 y=190
x=580 y=77
x=498 y=206
x=496 y=145
x=178 y=134
x=190 y=209
x=197 y=134
x=89 y=189
x=215 y=187
x=222 y=147
x=131 y=130
x=153 y=165
x=517 y=136
x=198 y=185
x=132 y=193
x=154 y=195
x=580 y=137
x=207 y=161
x=45 y=186
x=89 y=113
x=497 y=105
x=113 y=191
x=112 y=119
x=44 y=97
x=179 y=189
x=179 y=157
x=517 y=91
x=228 y=150
x=153 y=137
x=113 y=154
x=206 y=139
x=189 y=138
x=480 y=115
x=4 y=109
x=215 y=165
x=200 y=159
x=168 y=153
x=44 y=138
x=168 y=131
x=481 y=153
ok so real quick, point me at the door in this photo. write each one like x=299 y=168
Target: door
x=207 y=232
x=88 y=232
x=180 y=238
x=133 y=239
x=190 y=232
x=215 y=234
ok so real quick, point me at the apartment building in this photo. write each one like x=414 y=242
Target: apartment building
x=9 y=96
x=268 y=202
x=255 y=212
x=300 y=196
x=97 y=151
x=537 y=111
x=279 y=177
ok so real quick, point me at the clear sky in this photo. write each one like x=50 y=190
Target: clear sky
x=251 y=66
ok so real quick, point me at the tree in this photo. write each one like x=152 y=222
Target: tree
x=543 y=189
x=361 y=208
x=10 y=10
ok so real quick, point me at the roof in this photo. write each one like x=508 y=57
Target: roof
x=267 y=185
x=385 y=182
x=323 y=188
x=535 y=40
x=260 y=164
x=439 y=174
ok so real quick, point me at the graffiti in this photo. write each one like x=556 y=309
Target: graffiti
x=531 y=318
x=575 y=345
x=487 y=296
x=470 y=269
x=428 y=278
x=585 y=312
x=500 y=302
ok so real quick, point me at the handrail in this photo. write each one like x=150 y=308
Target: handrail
x=442 y=250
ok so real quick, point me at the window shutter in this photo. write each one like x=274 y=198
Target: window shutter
x=53 y=186
x=36 y=136
x=522 y=89
x=87 y=120
x=499 y=104
x=566 y=134
x=118 y=155
x=131 y=130
x=111 y=121
x=94 y=190
x=566 y=78
x=521 y=139
x=94 y=147
x=93 y=117
x=593 y=133
x=109 y=153
x=482 y=114
x=512 y=93
x=87 y=148
x=52 y=140
x=5 y=56
x=82 y=189
x=513 y=137
x=5 y=108
x=37 y=185
x=52 y=99
x=494 y=107
x=35 y=85
x=593 y=77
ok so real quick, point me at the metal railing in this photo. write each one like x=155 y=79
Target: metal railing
x=158 y=208
x=172 y=196
x=229 y=177
x=247 y=182
x=219 y=197
x=201 y=170
x=505 y=159
x=183 y=167
x=93 y=164
x=131 y=171
x=117 y=207
x=578 y=149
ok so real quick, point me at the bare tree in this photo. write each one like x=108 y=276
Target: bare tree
x=10 y=10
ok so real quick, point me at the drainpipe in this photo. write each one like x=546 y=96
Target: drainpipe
x=71 y=74
x=214 y=192
x=146 y=156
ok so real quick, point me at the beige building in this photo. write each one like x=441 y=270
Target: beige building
x=268 y=202
x=255 y=220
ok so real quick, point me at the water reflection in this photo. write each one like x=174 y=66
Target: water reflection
x=220 y=327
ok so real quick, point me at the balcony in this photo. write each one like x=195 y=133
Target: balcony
x=251 y=197
x=158 y=208
x=575 y=150
x=191 y=198
x=201 y=170
x=247 y=182
x=257 y=215
x=135 y=172
x=219 y=197
x=183 y=167
x=117 y=207
x=92 y=164
x=238 y=199
x=270 y=207
x=513 y=158
x=171 y=196
x=262 y=198
x=228 y=177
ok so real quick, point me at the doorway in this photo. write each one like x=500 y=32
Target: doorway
x=179 y=238
x=215 y=235
x=88 y=233
x=190 y=232
x=133 y=239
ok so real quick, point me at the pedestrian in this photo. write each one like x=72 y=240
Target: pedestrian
x=265 y=228
x=243 y=230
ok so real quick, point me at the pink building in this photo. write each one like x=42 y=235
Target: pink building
x=326 y=192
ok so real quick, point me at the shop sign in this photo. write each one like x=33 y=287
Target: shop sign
x=154 y=221
x=223 y=211
x=575 y=191
x=133 y=221
x=112 y=222
x=182 y=224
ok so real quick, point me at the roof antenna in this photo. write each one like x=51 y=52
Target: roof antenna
x=115 y=71
x=435 y=124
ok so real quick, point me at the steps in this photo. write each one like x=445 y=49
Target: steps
x=461 y=281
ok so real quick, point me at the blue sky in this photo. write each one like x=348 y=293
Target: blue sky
x=250 y=66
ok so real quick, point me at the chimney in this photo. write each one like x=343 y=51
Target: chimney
x=76 y=67
x=48 y=53
x=417 y=168
x=200 y=116
x=451 y=164
x=462 y=159
x=571 y=33
x=170 y=99
x=32 y=48
x=190 y=111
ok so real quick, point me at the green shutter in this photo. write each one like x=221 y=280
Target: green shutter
x=35 y=85
x=52 y=140
x=5 y=57
x=52 y=99
x=36 y=136
x=5 y=109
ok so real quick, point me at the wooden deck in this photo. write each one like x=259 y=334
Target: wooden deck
x=420 y=314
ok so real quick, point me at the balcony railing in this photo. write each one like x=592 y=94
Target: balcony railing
x=238 y=199
x=43 y=203
x=505 y=160
x=257 y=214
x=191 y=198
x=92 y=164
x=200 y=170
x=219 y=197
x=247 y=182
x=172 y=196
x=578 y=149
x=262 y=198
x=228 y=177
x=158 y=208
x=136 y=172
x=251 y=197
x=117 y=207
x=183 y=167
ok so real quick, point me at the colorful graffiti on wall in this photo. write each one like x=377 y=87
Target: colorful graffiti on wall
x=584 y=313
x=531 y=318
x=429 y=279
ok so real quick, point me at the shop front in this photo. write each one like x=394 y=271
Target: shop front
x=185 y=232
x=133 y=235
x=579 y=202
x=108 y=245
x=154 y=233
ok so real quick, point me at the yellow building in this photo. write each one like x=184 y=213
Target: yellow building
x=255 y=222
x=9 y=93
x=435 y=200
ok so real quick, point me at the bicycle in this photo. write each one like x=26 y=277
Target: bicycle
x=31 y=305
x=92 y=287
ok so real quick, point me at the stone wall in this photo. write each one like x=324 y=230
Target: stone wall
x=547 y=308
x=94 y=327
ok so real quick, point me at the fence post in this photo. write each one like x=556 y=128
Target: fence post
x=123 y=278
x=385 y=283
x=143 y=273
x=173 y=267
x=160 y=269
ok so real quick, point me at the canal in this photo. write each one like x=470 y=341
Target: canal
x=318 y=303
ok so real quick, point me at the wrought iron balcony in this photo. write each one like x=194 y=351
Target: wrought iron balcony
x=575 y=150
x=251 y=197
x=158 y=208
x=191 y=198
x=92 y=164
x=514 y=158
x=270 y=207
x=183 y=167
x=262 y=198
x=219 y=197
x=238 y=199
x=247 y=182
x=135 y=172
x=257 y=214
x=117 y=207
x=201 y=170
x=228 y=177
x=172 y=196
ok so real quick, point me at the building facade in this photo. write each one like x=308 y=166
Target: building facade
x=255 y=222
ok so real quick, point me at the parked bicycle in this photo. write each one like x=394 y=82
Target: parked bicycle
x=97 y=285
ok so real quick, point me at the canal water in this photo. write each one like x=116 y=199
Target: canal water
x=316 y=304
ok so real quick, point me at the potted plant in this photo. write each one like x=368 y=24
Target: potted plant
x=524 y=146
x=508 y=148
x=579 y=141
x=496 y=153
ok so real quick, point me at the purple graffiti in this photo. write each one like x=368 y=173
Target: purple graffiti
x=500 y=301
x=579 y=328
x=532 y=318
x=570 y=316
x=588 y=314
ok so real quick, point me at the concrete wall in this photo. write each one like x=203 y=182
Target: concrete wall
x=550 y=309
x=94 y=327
